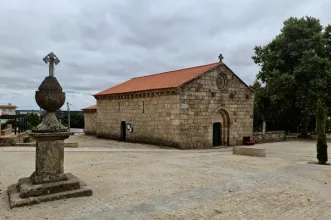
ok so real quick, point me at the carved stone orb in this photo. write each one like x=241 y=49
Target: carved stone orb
x=50 y=96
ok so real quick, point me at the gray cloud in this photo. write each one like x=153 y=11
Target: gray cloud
x=102 y=43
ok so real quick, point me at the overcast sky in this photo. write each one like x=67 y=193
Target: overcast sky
x=104 y=42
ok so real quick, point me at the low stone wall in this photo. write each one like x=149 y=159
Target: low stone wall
x=249 y=151
x=267 y=137
x=7 y=131
x=12 y=140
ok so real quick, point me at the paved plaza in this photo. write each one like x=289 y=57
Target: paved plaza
x=135 y=181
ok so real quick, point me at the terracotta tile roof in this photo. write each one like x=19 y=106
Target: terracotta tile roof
x=93 y=107
x=166 y=80
x=8 y=106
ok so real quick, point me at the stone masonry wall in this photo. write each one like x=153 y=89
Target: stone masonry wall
x=154 y=119
x=203 y=98
x=90 y=122
x=271 y=136
x=12 y=140
x=7 y=131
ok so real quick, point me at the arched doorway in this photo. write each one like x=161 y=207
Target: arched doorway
x=123 y=131
x=217 y=134
x=221 y=128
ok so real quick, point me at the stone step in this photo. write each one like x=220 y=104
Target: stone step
x=33 y=144
x=16 y=201
x=249 y=151
x=27 y=189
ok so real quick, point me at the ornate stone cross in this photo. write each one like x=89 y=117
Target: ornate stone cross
x=221 y=57
x=49 y=181
x=52 y=59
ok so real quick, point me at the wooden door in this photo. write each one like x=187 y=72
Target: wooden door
x=217 y=134
x=123 y=131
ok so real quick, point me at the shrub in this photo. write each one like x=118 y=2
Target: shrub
x=322 y=147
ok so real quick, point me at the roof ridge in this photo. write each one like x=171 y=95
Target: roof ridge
x=174 y=70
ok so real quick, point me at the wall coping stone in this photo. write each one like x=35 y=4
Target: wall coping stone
x=269 y=132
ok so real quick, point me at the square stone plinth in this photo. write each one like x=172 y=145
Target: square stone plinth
x=25 y=193
x=27 y=189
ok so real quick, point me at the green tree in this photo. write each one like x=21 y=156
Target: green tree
x=295 y=68
x=322 y=147
x=76 y=120
x=327 y=36
x=261 y=105
x=33 y=120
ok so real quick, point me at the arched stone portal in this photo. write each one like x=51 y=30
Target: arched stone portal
x=221 y=128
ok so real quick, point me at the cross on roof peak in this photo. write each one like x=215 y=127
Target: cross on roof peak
x=220 y=57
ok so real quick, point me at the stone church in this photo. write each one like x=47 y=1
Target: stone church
x=197 y=107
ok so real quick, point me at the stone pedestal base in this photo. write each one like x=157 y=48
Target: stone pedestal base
x=26 y=193
x=47 y=178
x=48 y=182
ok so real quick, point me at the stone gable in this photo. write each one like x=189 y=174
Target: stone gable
x=202 y=99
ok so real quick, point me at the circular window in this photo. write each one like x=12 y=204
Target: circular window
x=221 y=81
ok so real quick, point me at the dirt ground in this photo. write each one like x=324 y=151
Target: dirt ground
x=131 y=181
x=87 y=141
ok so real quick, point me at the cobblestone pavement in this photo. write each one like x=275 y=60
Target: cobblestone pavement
x=144 y=182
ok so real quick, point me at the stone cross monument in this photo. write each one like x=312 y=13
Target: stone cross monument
x=48 y=181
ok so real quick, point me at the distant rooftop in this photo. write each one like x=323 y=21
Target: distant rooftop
x=93 y=107
x=8 y=106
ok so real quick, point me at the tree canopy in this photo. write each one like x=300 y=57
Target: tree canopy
x=33 y=120
x=295 y=68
